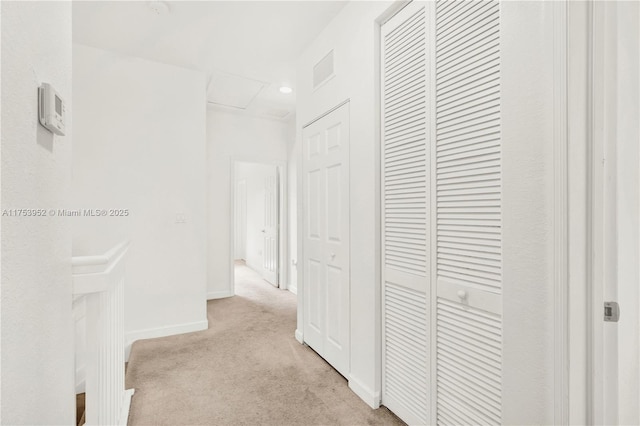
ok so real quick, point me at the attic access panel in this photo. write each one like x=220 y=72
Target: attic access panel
x=233 y=91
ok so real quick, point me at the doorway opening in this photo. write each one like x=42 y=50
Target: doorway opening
x=258 y=217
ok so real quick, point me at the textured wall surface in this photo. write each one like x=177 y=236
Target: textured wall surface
x=140 y=145
x=37 y=329
x=528 y=206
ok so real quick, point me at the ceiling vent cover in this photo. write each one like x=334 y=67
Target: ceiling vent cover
x=323 y=70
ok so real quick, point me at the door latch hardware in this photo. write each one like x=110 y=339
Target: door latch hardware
x=611 y=311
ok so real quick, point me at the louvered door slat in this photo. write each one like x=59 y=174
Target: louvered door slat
x=404 y=149
x=470 y=56
x=466 y=26
x=484 y=100
x=404 y=215
x=473 y=152
x=449 y=11
x=473 y=390
x=401 y=31
x=482 y=381
x=411 y=73
x=484 y=67
x=468 y=213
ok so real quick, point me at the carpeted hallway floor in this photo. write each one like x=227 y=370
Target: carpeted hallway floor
x=246 y=369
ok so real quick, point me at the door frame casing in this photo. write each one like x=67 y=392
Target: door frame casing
x=240 y=217
x=574 y=393
x=283 y=234
x=603 y=143
x=301 y=288
x=299 y=333
x=561 y=211
x=588 y=81
x=585 y=359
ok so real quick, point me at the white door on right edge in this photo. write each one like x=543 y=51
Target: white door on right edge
x=326 y=237
x=617 y=396
x=270 y=231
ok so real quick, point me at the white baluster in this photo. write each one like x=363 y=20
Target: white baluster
x=100 y=280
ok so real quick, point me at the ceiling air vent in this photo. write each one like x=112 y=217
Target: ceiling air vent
x=323 y=70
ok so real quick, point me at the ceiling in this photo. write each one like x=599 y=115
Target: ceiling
x=247 y=48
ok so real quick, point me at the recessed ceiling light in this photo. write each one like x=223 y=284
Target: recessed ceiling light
x=286 y=90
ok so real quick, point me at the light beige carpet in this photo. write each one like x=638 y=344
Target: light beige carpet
x=246 y=369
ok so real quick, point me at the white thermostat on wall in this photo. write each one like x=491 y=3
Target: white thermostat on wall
x=51 y=109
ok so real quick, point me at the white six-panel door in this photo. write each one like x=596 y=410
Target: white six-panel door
x=326 y=237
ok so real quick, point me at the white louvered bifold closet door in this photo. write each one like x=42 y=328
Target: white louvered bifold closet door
x=405 y=213
x=468 y=213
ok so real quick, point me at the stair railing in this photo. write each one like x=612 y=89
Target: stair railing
x=99 y=280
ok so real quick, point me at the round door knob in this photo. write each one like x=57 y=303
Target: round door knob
x=462 y=294
x=333 y=255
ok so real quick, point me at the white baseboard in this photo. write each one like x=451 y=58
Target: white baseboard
x=293 y=289
x=219 y=294
x=299 y=336
x=171 y=330
x=372 y=398
x=126 y=405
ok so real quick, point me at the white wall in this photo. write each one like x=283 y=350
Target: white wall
x=528 y=120
x=140 y=145
x=233 y=136
x=240 y=225
x=352 y=35
x=37 y=327
x=255 y=176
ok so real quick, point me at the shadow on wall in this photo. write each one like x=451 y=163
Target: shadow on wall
x=44 y=138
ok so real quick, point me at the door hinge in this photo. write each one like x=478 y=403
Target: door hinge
x=611 y=311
